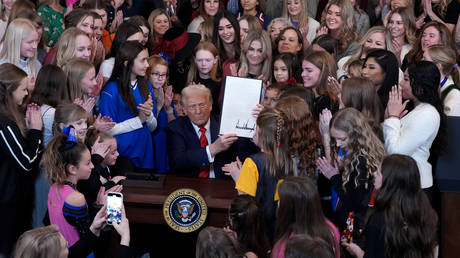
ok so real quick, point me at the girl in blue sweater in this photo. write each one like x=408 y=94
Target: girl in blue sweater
x=127 y=100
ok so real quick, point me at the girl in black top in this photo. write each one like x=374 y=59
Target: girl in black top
x=402 y=223
x=350 y=175
x=20 y=148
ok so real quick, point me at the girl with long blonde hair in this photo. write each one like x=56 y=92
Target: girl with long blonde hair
x=351 y=175
x=297 y=12
x=73 y=43
x=375 y=37
x=401 y=28
x=81 y=80
x=19 y=46
x=258 y=66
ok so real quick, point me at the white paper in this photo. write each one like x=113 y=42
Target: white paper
x=240 y=97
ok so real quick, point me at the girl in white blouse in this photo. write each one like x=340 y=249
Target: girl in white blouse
x=421 y=130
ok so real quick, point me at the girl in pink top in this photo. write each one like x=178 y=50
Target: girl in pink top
x=300 y=212
x=66 y=161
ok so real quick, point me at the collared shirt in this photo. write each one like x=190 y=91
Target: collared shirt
x=208 y=137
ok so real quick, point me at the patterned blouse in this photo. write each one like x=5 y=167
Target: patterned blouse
x=53 y=22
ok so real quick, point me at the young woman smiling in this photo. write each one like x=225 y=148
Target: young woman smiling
x=297 y=12
x=290 y=40
x=227 y=36
x=339 y=22
x=20 y=46
x=375 y=38
x=402 y=28
x=255 y=60
x=317 y=67
x=159 y=23
x=432 y=33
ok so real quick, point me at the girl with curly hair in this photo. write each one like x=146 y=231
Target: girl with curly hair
x=402 y=222
x=361 y=153
x=302 y=134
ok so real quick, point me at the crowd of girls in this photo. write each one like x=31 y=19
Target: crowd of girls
x=355 y=107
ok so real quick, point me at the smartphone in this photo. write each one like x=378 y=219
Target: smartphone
x=114 y=204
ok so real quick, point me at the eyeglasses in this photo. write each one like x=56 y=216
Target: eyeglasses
x=159 y=75
x=195 y=106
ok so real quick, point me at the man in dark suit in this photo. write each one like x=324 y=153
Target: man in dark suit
x=193 y=144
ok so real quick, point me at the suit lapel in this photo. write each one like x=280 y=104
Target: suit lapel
x=191 y=133
x=214 y=128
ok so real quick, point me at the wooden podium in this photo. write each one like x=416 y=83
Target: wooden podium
x=144 y=204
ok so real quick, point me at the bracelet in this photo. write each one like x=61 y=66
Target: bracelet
x=393 y=116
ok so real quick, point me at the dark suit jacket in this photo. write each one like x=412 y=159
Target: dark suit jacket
x=184 y=151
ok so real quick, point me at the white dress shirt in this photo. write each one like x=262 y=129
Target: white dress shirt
x=208 y=137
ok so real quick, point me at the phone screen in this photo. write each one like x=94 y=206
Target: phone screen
x=114 y=203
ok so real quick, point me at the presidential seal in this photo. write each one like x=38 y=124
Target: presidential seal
x=185 y=210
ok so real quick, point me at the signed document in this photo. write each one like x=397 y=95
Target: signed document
x=240 y=97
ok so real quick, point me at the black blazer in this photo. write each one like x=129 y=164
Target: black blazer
x=184 y=151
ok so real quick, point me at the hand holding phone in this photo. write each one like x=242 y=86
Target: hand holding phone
x=114 y=207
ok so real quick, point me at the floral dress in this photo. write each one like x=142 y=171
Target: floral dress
x=53 y=22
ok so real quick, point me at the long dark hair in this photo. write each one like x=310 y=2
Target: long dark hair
x=300 y=211
x=124 y=31
x=11 y=77
x=410 y=223
x=218 y=42
x=49 y=86
x=122 y=70
x=389 y=64
x=247 y=221
x=424 y=81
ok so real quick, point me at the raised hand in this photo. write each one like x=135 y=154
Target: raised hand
x=233 y=169
x=324 y=121
x=100 y=148
x=145 y=109
x=326 y=168
x=257 y=109
x=103 y=123
x=88 y=105
x=168 y=96
x=322 y=31
x=33 y=118
x=395 y=107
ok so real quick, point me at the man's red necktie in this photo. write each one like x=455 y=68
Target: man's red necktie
x=204 y=170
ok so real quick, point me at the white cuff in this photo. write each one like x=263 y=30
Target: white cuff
x=126 y=126
x=151 y=122
x=210 y=157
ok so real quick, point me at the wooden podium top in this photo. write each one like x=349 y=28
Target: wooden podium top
x=144 y=202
